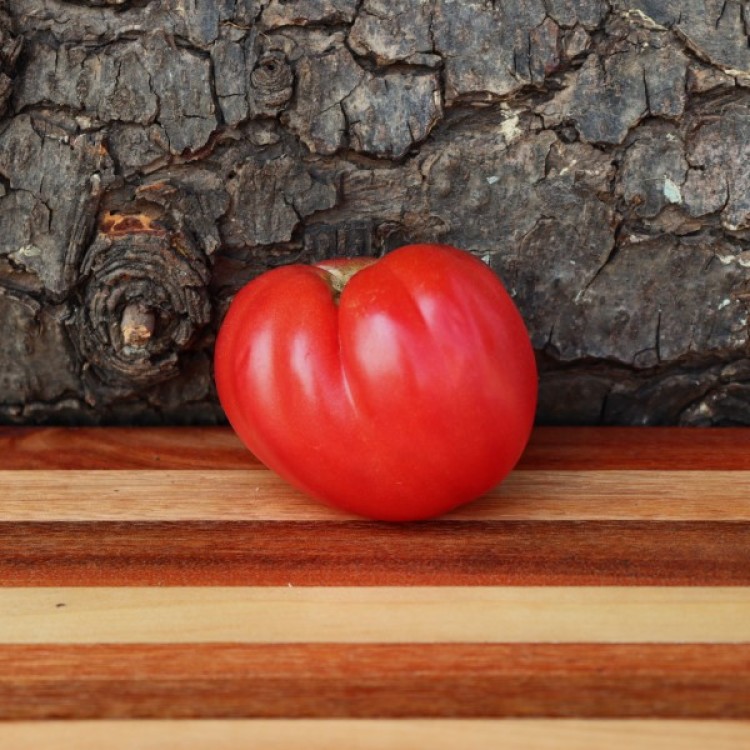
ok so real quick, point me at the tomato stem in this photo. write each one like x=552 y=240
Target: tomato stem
x=340 y=271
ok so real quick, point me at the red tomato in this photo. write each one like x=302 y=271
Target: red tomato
x=407 y=394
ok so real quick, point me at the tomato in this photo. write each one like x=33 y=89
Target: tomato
x=408 y=392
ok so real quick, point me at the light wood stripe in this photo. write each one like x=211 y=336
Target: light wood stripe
x=395 y=734
x=376 y=615
x=259 y=495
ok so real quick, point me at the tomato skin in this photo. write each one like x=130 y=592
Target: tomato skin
x=411 y=394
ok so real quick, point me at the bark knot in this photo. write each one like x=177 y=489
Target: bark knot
x=144 y=299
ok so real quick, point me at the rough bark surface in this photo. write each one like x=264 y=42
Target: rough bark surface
x=157 y=154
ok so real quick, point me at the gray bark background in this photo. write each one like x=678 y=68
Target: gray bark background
x=155 y=155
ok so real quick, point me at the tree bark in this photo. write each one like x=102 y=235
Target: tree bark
x=155 y=155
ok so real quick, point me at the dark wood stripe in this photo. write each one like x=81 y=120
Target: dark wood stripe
x=647 y=448
x=122 y=448
x=365 y=554
x=563 y=448
x=360 y=681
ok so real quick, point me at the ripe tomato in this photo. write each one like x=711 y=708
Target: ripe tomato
x=408 y=393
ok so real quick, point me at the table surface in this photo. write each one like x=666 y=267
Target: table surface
x=160 y=589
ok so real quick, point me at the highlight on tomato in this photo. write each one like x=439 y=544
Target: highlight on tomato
x=395 y=388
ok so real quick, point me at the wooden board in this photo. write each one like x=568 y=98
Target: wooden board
x=161 y=588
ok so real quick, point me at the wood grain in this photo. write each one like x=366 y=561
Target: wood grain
x=222 y=680
x=395 y=734
x=550 y=448
x=154 y=574
x=259 y=495
x=45 y=448
x=645 y=448
x=357 y=553
x=477 y=614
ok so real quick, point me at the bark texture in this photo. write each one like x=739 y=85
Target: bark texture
x=157 y=154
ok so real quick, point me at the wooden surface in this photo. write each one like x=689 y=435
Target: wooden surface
x=161 y=589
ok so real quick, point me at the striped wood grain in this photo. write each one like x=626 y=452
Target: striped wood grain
x=258 y=495
x=191 y=507
x=458 y=614
x=143 y=575
x=441 y=734
x=357 y=553
x=374 y=680
x=578 y=448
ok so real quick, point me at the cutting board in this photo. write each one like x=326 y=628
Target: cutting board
x=162 y=589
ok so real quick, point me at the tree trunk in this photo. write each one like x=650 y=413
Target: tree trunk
x=156 y=155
